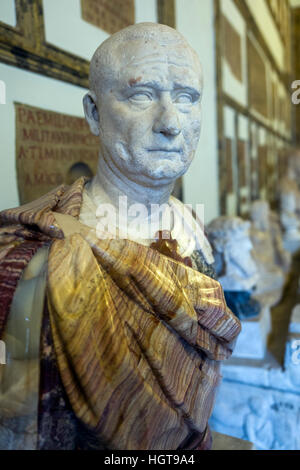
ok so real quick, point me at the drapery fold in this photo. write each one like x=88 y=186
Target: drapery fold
x=137 y=336
x=146 y=330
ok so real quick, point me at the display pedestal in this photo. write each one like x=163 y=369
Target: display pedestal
x=252 y=341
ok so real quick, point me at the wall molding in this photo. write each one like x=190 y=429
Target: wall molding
x=25 y=45
x=166 y=13
x=224 y=100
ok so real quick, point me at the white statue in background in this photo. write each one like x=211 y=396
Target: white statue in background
x=272 y=276
x=282 y=257
x=268 y=223
x=289 y=199
x=289 y=216
x=234 y=263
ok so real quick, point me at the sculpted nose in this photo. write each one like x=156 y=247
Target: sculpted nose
x=167 y=123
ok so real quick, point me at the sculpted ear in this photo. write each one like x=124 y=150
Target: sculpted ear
x=91 y=112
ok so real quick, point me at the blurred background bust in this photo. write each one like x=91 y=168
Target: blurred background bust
x=234 y=263
x=266 y=237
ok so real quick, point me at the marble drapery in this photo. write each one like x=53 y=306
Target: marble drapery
x=152 y=341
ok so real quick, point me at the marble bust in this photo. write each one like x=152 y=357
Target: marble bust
x=234 y=263
x=266 y=228
x=148 y=127
x=289 y=198
x=235 y=266
x=282 y=257
x=289 y=202
x=265 y=252
x=113 y=338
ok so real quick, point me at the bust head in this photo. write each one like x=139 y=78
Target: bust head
x=230 y=238
x=144 y=103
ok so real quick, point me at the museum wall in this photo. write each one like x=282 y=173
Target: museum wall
x=201 y=182
x=296 y=65
x=253 y=39
x=245 y=51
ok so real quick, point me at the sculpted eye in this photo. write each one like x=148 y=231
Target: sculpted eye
x=141 y=97
x=184 y=98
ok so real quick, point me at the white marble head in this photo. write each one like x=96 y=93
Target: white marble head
x=230 y=239
x=144 y=103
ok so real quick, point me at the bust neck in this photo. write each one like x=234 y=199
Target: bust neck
x=110 y=184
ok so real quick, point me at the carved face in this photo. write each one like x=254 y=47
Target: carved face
x=149 y=112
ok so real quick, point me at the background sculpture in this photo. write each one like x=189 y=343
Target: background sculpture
x=234 y=263
x=289 y=216
x=271 y=275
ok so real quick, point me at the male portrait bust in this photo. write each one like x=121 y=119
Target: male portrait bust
x=234 y=263
x=114 y=341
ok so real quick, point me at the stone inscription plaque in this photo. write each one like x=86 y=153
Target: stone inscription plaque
x=51 y=149
x=109 y=15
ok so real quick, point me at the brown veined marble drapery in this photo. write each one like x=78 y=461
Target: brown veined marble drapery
x=139 y=352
